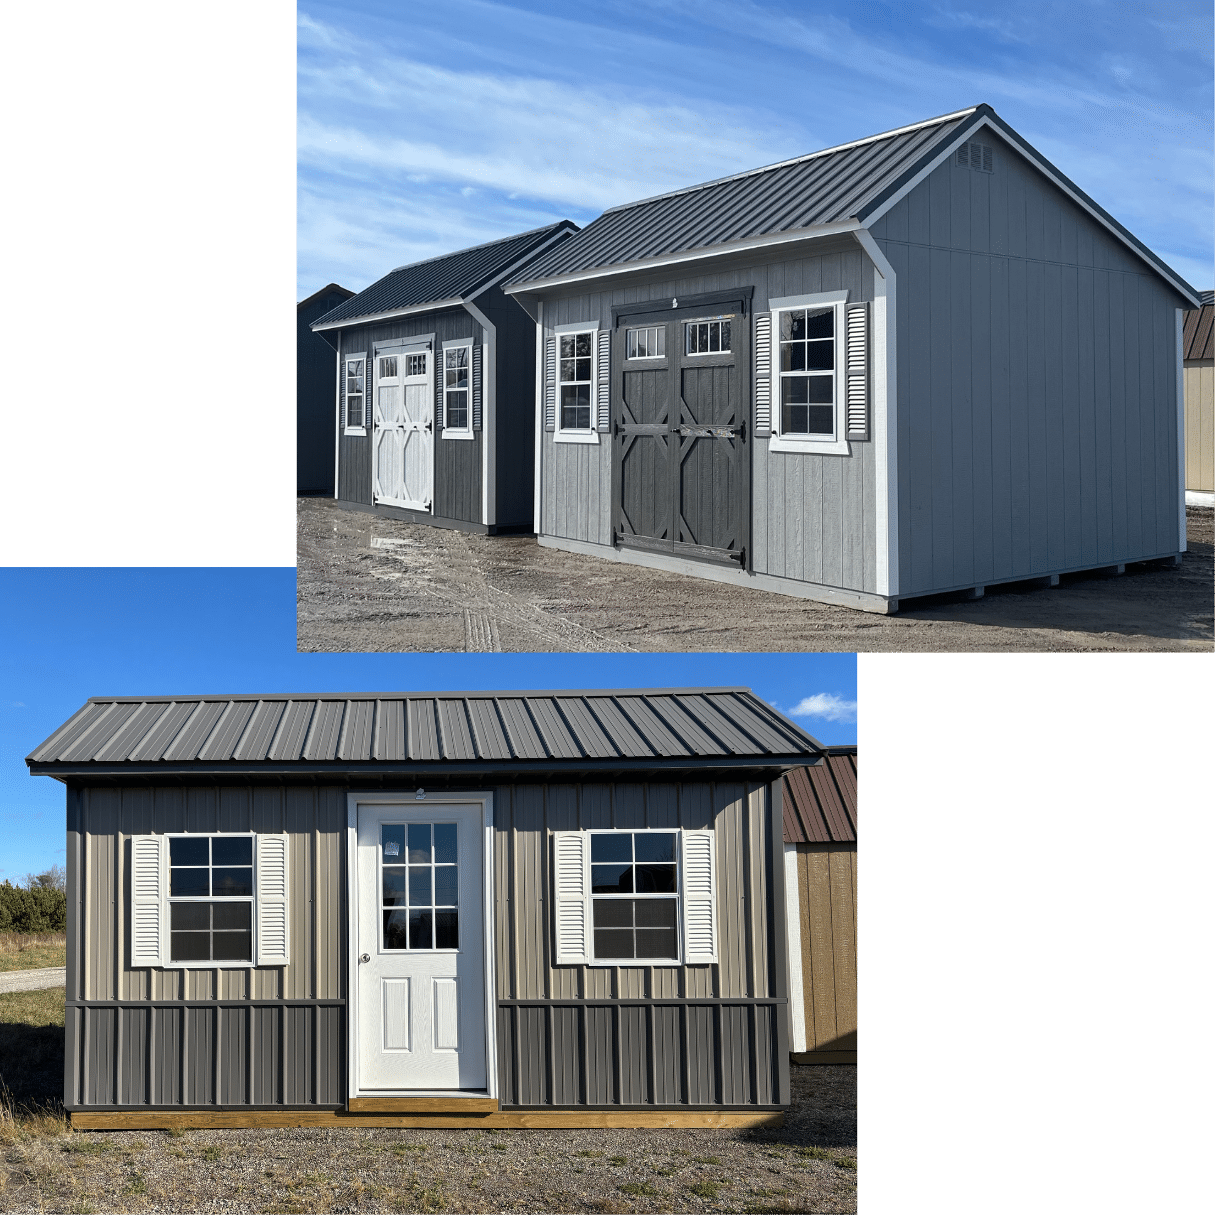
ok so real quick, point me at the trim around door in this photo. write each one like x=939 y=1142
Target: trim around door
x=415 y=798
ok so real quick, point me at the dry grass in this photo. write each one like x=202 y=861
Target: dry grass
x=32 y=950
x=806 y=1166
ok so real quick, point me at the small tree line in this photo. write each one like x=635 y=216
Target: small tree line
x=39 y=904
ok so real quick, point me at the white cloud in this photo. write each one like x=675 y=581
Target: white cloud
x=826 y=705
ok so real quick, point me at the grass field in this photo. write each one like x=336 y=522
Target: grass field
x=31 y=1045
x=32 y=951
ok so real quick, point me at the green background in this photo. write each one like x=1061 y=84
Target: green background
x=150 y=284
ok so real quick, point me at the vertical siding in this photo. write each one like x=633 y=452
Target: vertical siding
x=826 y=877
x=457 y=471
x=1036 y=392
x=139 y=1051
x=1200 y=426
x=813 y=517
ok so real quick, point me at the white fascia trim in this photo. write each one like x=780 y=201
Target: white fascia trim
x=350 y=322
x=885 y=415
x=489 y=413
x=522 y=261
x=1181 y=537
x=691 y=255
x=793 y=940
x=539 y=420
x=952 y=146
x=337 y=423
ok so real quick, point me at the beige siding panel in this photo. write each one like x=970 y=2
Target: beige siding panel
x=827 y=884
x=316 y=821
x=1200 y=426
x=525 y=815
x=843 y=940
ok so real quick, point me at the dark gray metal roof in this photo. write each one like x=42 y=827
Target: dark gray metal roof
x=663 y=727
x=450 y=277
x=848 y=184
x=821 y=188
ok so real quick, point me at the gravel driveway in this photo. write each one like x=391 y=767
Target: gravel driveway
x=372 y=584
x=808 y=1165
x=33 y=980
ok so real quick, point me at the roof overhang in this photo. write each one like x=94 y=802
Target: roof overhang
x=510 y=770
x=770 y=240
x=413 y=309
x=985 y=116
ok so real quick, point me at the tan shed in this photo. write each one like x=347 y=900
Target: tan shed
x=819 y=806
x=1198 y=360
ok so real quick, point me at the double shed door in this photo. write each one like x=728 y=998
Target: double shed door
x=680 y=443
x=403 y=419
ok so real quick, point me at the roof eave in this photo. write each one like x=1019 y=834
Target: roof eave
x=796 y=235
x=371 y=318
x=426 y=769
x=983 y=116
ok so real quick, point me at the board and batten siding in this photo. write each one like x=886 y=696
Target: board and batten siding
x=1200 y=425
x=1037 y=394
x=457 y=469
x=826 y=882
x=693 y=1035
x=148 y=1036
x=813 y=517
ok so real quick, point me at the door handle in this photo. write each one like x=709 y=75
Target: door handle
x=364 y=957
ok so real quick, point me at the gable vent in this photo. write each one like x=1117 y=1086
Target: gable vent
x=975 y=155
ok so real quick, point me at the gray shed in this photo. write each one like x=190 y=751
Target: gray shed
x=451 y=909
x=920 y=362
x=432 y=413
x=315 y=373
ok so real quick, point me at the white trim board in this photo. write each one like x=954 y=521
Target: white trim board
x=1027 y=153
x=371 y=318
x=884 y=398
x=793 y=940
x=1180 y=372
x=489 y=412
x=485 y=799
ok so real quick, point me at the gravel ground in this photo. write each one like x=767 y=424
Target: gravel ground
x=808 y=1165
x=33 y=980
x=372 y=584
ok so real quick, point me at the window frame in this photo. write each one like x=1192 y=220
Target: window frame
x=380 y=908
x=677 y=832
x=347 y=359
x=570 y=434
x=718 y=320
x=458 y=432
x=167 y=963
x=837 y=444
x=645 y=359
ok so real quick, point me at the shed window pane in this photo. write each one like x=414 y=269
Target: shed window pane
x=447 y=888
x=421 y=930
x=190 y=946
x=211 y=932
x=611 y=879
x=445 y=843
x=232 y=946
x=393 y=839
x=395 y=928
x=190 y=917
x=707 y=337
x=614 y=847
x=388 y=367
x=415 y=364
x=419 y=843
x=230 y=883
x=189 y=850
x=447 y=929
x=575 y=376
x=419 y=886
x=189 y=883
x=231 y=850
x=655 y=846
x=394 y=887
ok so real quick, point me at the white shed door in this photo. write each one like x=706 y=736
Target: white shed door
x=421 y=969
x=403 y=443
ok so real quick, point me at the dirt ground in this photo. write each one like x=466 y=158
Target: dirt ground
x=372 y=584
x=807 y=1165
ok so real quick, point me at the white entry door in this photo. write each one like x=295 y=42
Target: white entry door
x=421 y=953
x=403 y=441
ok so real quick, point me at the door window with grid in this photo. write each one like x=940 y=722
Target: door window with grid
x=419 y=886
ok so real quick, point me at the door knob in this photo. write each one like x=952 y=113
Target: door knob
x=364 y=957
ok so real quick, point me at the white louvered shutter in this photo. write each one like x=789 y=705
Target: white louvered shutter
x=476 y=386
x=271 y=891
x=149 y=900
x=763 y=373
x=604 y=383
x=699 y=898
x=572 y=896
x=856 y=400
x=550 y=386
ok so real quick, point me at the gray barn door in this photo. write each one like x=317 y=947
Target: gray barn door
x=680 y=394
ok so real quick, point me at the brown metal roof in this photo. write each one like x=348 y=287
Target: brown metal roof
x=689 y=726
x=1196 y=339
x=820 y=802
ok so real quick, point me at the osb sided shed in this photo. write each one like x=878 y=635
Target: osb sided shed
x=921 y=362
x=494 y=909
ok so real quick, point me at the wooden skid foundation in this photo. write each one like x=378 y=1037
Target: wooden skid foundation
x=155 y=1120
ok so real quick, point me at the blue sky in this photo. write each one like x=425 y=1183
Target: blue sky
x=161 y=632
x=472 y=120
